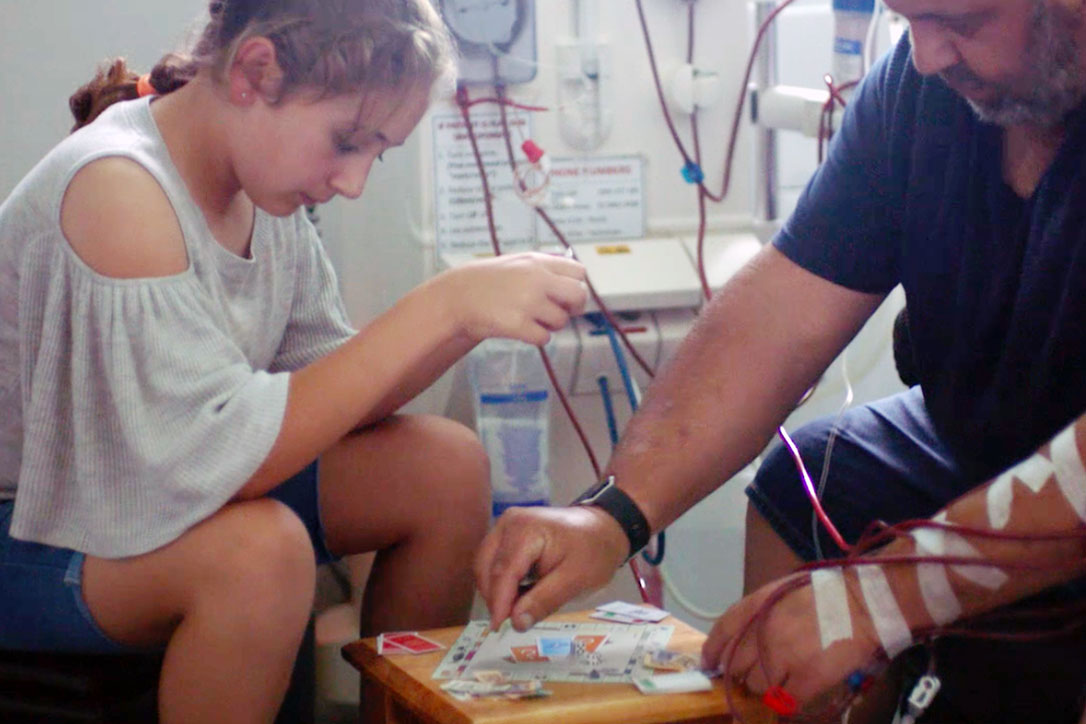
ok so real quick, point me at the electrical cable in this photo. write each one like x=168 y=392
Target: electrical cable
x=608 y=409
x=868 y=51
x=811 y=494
x=834 y=431
x=620 y=359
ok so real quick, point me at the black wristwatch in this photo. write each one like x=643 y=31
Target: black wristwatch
x=609 y=498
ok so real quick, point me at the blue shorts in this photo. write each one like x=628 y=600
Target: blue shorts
x=887 y=463
x=41 y=587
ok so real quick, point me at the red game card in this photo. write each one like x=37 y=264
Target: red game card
x=387 y=647
x=412 y=642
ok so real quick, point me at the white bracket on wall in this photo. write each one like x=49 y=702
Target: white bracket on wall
x=693 y=88
x=789 y=108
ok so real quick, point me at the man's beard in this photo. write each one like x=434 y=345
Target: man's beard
x=1055 y=79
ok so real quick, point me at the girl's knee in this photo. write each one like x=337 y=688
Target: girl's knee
x=460 y=467
x=262 y=548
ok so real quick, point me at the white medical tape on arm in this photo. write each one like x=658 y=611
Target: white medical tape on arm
x=939 y=542
x=939 y=597
x=1065 y=466
x=890 y=624
x=831 y=605
x=1033 y=472
x=1070 y=473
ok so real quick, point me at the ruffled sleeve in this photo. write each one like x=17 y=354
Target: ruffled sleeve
x=141 y=416
x=318 y=319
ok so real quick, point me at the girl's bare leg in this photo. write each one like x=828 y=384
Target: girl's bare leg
x=415 y=489
x=231 y=596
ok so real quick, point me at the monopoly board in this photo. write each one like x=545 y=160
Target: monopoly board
x=555 y=651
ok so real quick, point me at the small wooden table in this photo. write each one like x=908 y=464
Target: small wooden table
x=401 y=690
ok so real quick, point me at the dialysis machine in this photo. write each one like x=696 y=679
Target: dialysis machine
x=583 y=115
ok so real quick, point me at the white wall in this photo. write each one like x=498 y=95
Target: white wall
x=48 y=48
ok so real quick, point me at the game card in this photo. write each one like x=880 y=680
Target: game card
x=555 y=645
x=527 y=653
x=410 y=642
x=616 y=617
x=643 y=613
x=667 y=660
x=587 y=643
x=674 y=683
x=384 y=648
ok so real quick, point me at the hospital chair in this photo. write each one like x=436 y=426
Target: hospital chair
x=63 y=688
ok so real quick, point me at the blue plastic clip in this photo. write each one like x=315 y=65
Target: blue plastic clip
x=693 y=173
x=858 y=681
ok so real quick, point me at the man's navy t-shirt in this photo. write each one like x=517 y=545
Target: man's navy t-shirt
x=913 y=193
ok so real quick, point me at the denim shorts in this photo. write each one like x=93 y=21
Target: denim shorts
x=887 y=463
x=41 y=587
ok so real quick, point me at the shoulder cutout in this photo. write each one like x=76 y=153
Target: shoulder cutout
x=118 y=220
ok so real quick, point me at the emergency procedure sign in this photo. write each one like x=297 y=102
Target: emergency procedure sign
x=587 y=198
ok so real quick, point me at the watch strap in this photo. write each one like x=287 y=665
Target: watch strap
x=620 y=506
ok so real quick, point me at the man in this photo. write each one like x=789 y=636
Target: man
x=960 y=173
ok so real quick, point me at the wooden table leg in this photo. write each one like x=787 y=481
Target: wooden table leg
x=380 y=706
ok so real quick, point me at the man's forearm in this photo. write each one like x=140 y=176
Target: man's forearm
x=755 y=349
x=1042 y=496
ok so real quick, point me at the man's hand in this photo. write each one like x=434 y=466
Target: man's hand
x=784 y=647
x=567 y=551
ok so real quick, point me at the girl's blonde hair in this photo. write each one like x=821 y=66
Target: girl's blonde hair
x=333 y=46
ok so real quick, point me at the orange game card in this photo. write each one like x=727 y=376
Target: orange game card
x=527 y=653
x=591 y=641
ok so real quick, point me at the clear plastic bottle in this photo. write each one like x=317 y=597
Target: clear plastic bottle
x=851 y=20
x=511 y=396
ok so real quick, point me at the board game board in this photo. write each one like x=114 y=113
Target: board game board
x=555 y=651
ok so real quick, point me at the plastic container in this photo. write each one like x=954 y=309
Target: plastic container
x=511 y=397
x=851 y=21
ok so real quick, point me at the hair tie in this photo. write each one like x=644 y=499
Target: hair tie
x=144 y=87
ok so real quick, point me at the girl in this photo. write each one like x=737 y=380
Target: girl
x=174 y=356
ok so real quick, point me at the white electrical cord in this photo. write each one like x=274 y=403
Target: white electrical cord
x=829 y=450
x=869 y=40
x=677 y=596
x=705 y=614
x=687 y=605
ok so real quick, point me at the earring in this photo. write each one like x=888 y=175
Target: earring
x=244 y=95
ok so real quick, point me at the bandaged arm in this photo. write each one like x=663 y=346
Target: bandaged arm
x=1044 y=494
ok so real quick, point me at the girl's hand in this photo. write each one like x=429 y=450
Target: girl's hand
x=518 y=296
x=784 y=647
